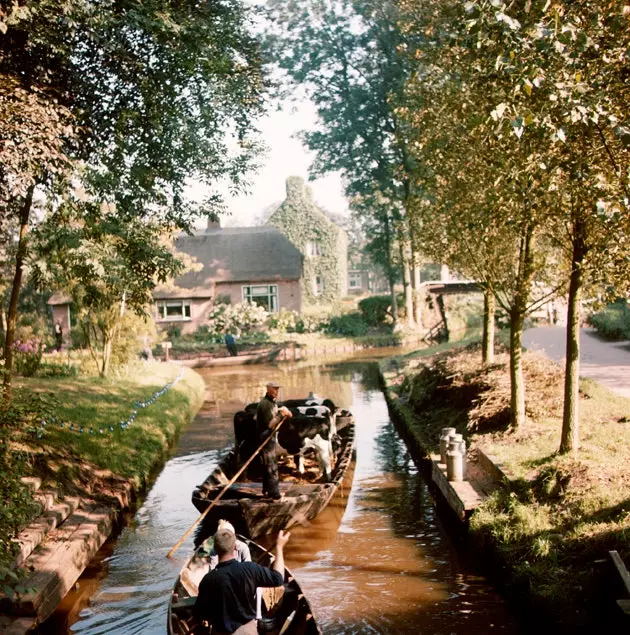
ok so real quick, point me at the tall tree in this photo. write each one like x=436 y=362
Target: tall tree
x=156 y=93
x=346 y=56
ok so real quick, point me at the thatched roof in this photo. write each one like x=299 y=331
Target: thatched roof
x=239 y=254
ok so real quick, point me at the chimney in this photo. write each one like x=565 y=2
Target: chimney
x=214 y=222
x=295 y=187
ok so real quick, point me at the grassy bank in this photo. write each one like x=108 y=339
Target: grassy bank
x=549 y=532
x=79 y=436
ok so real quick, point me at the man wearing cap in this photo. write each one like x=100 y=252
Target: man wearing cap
x=268 y=415
x=227 y=594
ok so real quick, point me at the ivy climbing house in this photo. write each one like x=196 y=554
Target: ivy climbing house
x=323 y=244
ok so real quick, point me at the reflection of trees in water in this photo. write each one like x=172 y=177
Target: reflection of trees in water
x=365 y=373
x=391 y=452
x=411 y=505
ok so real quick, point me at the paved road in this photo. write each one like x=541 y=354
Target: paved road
x=605 y=362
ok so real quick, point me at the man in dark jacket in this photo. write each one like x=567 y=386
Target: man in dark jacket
x=267 y=418
x=227 y=594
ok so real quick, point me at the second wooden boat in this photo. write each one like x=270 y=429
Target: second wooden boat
x=285 y=611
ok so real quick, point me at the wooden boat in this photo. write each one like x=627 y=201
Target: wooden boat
x=303 y=496
x=206 y=361
x=285 y=610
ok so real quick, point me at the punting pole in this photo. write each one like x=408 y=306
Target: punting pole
x=225 y=489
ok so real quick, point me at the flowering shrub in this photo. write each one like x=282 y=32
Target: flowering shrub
x=284 y=321
x=307 y=324
x=237 y=318
x=28 y=356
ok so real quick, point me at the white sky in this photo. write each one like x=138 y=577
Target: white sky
x=286 y=157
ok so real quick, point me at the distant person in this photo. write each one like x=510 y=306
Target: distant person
x=268 y=416
x=227 y=594
x=242 y=553
x=58 y=336
x=230 y=342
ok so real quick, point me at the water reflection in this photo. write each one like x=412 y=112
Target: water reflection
x=374 y=561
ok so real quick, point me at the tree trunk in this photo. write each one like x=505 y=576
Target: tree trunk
x=12 y=313
x=517 y=381
x=487 y=345
x=391 y=271
x=407 y=286
x=570 y=416
x=517 y=318
x=417 y=298
x=107 y=354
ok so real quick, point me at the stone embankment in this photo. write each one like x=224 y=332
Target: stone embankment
x=56 y=548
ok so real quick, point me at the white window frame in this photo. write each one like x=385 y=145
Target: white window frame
x=314 y=248
x=162 y=306
x=355 y=277
x=318 y=286
x=270 y=291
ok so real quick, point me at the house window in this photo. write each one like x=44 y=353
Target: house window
x=265 y=295
x=354 y=280
x=173 y=310
x=318 y=285
x=314 y=248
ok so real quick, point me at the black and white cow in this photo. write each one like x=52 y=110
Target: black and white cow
x=301 y=432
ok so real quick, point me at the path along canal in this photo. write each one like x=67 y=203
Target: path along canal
x=375 y=561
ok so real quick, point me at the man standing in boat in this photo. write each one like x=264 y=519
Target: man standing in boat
x=227 y=594
x=268 y=416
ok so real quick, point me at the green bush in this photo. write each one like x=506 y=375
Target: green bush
x=612 y=322
x=174 y=332
x=350 y=325
x=57 y=369
x=376 y=309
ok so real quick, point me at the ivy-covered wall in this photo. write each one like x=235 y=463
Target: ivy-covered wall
x=323 y=244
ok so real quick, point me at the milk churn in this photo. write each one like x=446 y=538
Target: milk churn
x=444 y=439
x=459 y=439
x=454 y=462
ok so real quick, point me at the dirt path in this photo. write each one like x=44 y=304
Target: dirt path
x=606 y=362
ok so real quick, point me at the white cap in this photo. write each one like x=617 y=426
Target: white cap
x=226 y=524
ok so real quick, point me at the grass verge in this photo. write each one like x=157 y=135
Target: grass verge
x=550 y=530
x=97 y=463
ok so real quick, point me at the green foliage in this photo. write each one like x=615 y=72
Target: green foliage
x=612 y=322
x=174 y=331
x=57 y=369
x=349 y=324
x=376 y=309
x=22 y=415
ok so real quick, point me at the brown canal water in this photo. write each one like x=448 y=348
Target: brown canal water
x=376 y=560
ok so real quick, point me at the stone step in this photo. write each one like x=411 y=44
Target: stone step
x=32 y=482
x=59 y=561
x=34 y=534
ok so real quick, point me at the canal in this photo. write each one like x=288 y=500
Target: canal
x=375 y=561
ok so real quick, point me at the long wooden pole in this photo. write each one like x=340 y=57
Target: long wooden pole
x=225 y=489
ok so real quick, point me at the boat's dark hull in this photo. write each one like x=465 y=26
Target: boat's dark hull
x=293 y=615
x=255 y=516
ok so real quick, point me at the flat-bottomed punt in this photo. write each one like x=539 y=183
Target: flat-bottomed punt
x=254 y=515
x=285 y=610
